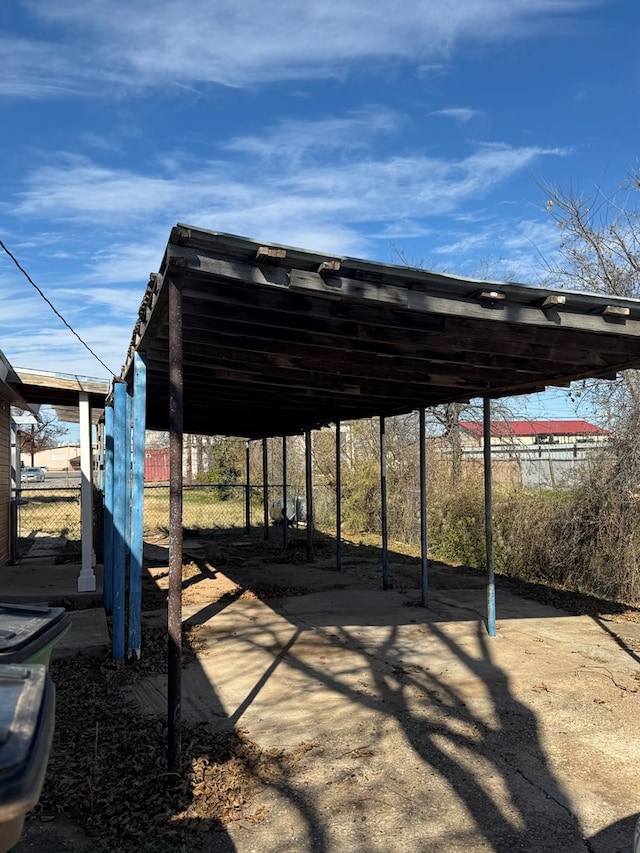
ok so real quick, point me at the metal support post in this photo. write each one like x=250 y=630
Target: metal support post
x=176 y=432
x=285 y=522
x=338 y=498
x=423 y=507
x=309 y=493
x=488 y=519
x=247 y=491
x=265 y=489
x=383 y=505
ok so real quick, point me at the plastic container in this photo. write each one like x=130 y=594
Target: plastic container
x=29 y=632
x=27 y=718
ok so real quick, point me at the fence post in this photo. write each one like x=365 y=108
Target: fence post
x=338 y=497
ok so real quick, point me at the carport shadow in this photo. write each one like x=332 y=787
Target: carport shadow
x=492 y=762
x=489 y=758
x=475 y=757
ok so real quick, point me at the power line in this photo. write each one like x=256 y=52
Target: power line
x=53 y=308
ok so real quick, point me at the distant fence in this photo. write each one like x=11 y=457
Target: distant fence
x=214 y=507
x=540 y=466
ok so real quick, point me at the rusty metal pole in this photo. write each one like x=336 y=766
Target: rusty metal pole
x=383 y=504
x=488 y=519
x=338 y=498
x=247 y=493
x=309 y=493
x=265 y=488
x=423 y=507
x=176 y=427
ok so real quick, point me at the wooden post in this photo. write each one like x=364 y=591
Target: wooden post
x=137 y=504
x=87 y=577
x=488 y=519
x=121 y=461
x=176 y=429
x=107 y=559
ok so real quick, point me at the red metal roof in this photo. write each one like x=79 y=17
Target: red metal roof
x=520 y=429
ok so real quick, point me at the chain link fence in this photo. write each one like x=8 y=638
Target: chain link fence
x=221 y=507
x=48 y=520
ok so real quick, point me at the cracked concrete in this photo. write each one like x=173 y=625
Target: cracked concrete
x=411 y=729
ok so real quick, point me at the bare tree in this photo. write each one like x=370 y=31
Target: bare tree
x=600 y=253
x=45 y=433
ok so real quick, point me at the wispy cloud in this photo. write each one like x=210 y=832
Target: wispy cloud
x=252 y=43
x=266 y=191
x=459 y=114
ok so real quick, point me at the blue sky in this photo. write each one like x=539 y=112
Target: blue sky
x=381 y=130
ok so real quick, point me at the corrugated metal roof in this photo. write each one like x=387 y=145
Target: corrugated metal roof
x=522 y=429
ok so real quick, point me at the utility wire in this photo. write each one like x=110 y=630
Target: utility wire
x=53 y=308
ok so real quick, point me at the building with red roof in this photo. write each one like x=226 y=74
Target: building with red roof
x=534 y=432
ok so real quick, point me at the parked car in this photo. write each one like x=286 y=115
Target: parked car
x=31 y=475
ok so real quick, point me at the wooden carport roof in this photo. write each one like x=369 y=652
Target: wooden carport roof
x=279 y=340
x=61 y=391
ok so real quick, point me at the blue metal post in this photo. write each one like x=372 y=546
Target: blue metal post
x=265 y=488
x=137 y=504
x=107 y=559
x=423 y=507
x=383 y=505
x=309 y=491
x=488 y=519
x=121 y=464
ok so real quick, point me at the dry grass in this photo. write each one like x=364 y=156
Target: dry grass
x=202 y=509
x=54 y=512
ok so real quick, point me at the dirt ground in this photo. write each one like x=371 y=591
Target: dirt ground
x=323 y=713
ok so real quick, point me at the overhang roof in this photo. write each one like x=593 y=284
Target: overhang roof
x=278 y=340
x=61 y=390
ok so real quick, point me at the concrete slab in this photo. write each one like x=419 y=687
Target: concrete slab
x=399 y=728
x=42 y=580
x=88 y=635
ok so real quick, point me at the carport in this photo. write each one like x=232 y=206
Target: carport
x=236 y=337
